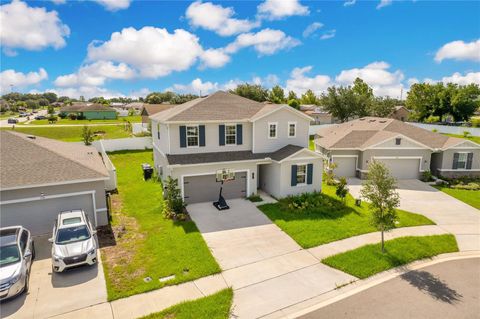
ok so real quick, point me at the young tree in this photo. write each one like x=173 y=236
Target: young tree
x=174 y=204
x=342 y=189
x=276 y=95
x=87 y=135
x=309 y=98
x=379 y=189
x=251 y=91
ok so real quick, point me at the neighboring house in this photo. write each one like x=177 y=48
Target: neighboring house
x=41 y=177
x=151 y=109
x=400 y=113
x=406 y=150
x=137 y=106
x=265 y=146
x=57 y=104
x=318 y=114
x=90 y=111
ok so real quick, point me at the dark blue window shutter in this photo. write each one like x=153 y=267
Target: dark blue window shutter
x=239 y=134
x=309 y=173
x=201 y=131
x=294 y=175
x=183 y=136
x=469 y=160
x=455 y=160
x=221 y=135
x=158 y=131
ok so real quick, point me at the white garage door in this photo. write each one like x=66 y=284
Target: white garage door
x=205 y=188
x=38 y=216
x=346 y=166
x=407 y=168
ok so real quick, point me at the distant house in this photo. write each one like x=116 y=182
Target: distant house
x=90 y=111
x=319 y=115
x=400 y=113
x=137 y=106
x=57 y=104
x=150 y=109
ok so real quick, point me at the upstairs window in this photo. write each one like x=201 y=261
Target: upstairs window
x=230 y=134
x=272 y=130
x=292 y=129
x=192 y=136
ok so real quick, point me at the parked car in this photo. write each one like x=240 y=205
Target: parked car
x=17 y=252
x=12 y=121
x=34 y=111
x=22 y=114
x=40 y=117
x=73 y=241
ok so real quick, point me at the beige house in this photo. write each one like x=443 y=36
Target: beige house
x=41 y=177
x=318 y=114
x=405 y=149
x=400 y=113
x=151 y=109
x=264 y=146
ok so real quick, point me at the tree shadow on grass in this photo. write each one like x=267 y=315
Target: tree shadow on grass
x=433 y=286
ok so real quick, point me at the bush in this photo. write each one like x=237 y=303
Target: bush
x=342 y=189
x=72 y=116
x=255 y=198
x=309 y=201
x=475 y=121
x=470 y=186
x=432 y=119
x=52 y=119
x=466 y=134
x=87 y=135
x=174 y=206
x=427 y=176
x=62 y=115
x=329 y=175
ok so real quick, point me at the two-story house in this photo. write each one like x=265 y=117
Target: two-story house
x=264 y=146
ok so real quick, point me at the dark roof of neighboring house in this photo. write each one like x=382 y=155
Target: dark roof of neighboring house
x=30 y=161
x=72 y=108
x=233 y=156
x=150 y=109
x=84 y=107
x=369 y=131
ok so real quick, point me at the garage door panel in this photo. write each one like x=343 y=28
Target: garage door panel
x=346 y=166
x=407 y=168
x=38 y=216
x=205 y=188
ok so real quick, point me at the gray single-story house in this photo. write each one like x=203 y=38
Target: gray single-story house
x=405 y=149
x=41 y=177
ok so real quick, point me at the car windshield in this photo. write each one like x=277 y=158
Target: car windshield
x=9 y=255
x=72 y=234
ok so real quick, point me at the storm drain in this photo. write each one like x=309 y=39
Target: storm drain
x=147 y=279
x=168 y=278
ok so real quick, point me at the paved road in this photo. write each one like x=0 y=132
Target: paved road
x=447 y=290
x=4 y=122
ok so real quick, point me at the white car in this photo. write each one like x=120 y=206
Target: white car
x=73 y=241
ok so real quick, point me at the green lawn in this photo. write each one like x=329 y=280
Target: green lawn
x=8 y=114
x=475 y=139
x=216 y=306
x=150 y=245
x=67 y=121
x=469 y=197
x=325 y=224
x=73 y=133
x=368 y=260
x=311 y=144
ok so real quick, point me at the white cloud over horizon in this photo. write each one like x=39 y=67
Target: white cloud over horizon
x=460 y=51
x=280 y=9
x=265 y=42
x=11 y=79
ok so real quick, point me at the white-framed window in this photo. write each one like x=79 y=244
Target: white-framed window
x=192 y=136
x=272 y=130
x=301 y=174
x=292 y=129
x=230 y=134
x=462 y=161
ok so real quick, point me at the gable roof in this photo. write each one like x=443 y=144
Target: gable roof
x=369 y=131
x=150 y=109
x=29 y=161
x=219 y=106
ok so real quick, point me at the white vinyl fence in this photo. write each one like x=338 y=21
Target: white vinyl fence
x=111 y=183
x=122 y=144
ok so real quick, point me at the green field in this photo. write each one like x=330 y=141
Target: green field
x=67 y=121
x=475 y=139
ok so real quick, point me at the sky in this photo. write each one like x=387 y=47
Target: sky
x=130 y=48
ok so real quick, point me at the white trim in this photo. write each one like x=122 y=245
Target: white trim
x=306 y=175
x=294 y=131
x=420 y=158
x=466 y=160
x=198 y=136
x=314 y=154
x=395 y=137
x=101 y=209
x=31 y=199
x=253 y=137
x=266 y=160
x=169 y=140
x=458 y=170
x=284 y=107
x=225 y=133
x=159 y=150
x=276 y=130
x=477 y=146
x=247 y=180
x=57 y=183
x=203 y=121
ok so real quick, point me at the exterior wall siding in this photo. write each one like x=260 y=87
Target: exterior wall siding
x=445 y=169
x=285 y=178
x=269 y=177
x=92 y=115
x=369 y=154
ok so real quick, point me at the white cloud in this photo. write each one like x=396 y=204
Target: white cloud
x=328 y=34
x=114 y=5
x=30 y=28
x=349 y=3
x=214 y=58
x=86 y=91
x=311 y=29
x=384 y=3
x=299 y=82
x=459 y=50
x=265 y=42
x=218 y=19
x=95 y=74
x=154 y=52
x=458 y=78
x=18 y=80
x=279 y=9
x=197 y=86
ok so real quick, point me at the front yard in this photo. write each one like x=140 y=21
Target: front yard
x=368 y=260
x=147 y=244
x=330 y=221
x=469 y=197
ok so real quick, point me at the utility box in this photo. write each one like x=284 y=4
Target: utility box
x=147 y=171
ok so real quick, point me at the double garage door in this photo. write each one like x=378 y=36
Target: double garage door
x=402 y=168
x=205 y=188
x=39 y=215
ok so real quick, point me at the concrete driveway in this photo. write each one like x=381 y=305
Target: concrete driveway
x=54 y=294
x=449 y=213
x=267 y=269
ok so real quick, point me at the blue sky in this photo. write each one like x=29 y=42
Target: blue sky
x=67 y=47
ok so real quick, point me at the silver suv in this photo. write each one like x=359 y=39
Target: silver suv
x=17 y=252
x=73 y=241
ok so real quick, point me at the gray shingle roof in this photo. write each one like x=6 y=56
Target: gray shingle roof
x=27 y=162
x=217 y=157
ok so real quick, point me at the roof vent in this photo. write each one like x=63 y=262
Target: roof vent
x=362 y=119
x=371 y=121
x=32 y=137
x=383 y=121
